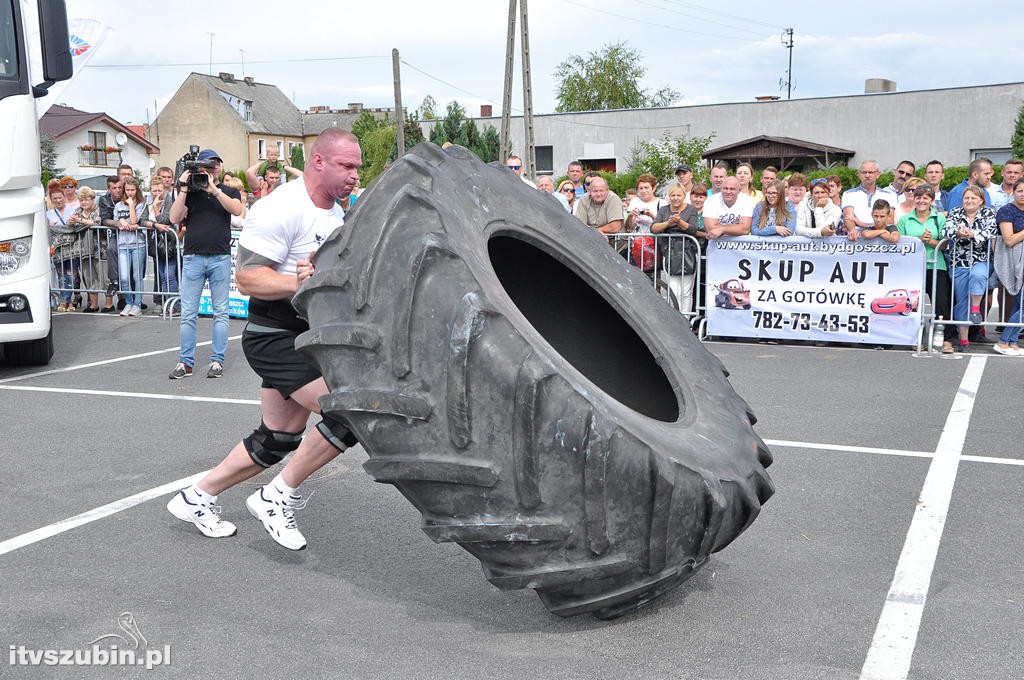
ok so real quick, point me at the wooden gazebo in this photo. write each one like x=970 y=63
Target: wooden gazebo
x=785 y=153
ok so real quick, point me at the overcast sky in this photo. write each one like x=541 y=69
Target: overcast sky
x=455 y=49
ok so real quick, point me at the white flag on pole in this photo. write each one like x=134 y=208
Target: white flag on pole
x=86 y=35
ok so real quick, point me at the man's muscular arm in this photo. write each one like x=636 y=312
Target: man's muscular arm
x=257 y=275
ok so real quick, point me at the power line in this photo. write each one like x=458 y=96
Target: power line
x=444 y=82
x=657 y=25
x=559 y=120
x=717 y=11
x=696 y=18
x=232 y=63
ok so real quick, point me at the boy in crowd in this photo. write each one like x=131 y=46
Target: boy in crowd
x=882 y=226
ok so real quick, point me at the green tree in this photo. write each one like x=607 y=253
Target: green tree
x=413 y=133
x=456 y=128
x=427 y=110
x=490 y=140
x=608 y=78
x=1017 y=140
x=48 y=159
x=377 y=145
x=472 y=135
x=298 y=160
x=661 y=156
x=367 y=122
x=454 y=117
x=437 y=135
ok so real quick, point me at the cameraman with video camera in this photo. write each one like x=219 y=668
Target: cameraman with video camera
x=205 y=207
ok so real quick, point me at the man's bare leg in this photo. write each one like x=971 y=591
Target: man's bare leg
x=198 y=503
x=275 y=504
x=285 y=415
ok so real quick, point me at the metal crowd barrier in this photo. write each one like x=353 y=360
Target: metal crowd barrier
x=947 y=317
x=92 y=249
x=662 y=257
x=696 y=311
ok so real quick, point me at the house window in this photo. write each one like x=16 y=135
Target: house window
x=280 y=149
x=602 y=164
x=261 y=148
x=545 y=162
x=997 y=156
x=243 y=107
x=98 y=154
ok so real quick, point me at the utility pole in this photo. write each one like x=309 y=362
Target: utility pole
x=399 y=113
x=242 y=52
x=788 y=44
x=211 y=51
x=524 y=42
x=506 y=100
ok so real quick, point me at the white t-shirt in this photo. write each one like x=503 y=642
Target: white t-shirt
x=861 y=201
x=642 y=223
x=286 y=226
x=715 y=208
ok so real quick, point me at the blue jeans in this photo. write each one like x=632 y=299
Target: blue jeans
x=131 y=260
x=967 y=282
x=1010 y=333
x=166 y=276
x=195 y=270
x=66 y=277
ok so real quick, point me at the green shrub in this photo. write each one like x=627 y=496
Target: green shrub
x=954 y=175
x=620 y=182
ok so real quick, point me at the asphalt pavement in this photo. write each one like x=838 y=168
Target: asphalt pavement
x=94 y=444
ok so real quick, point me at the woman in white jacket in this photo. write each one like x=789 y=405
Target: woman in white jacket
x=818 y=216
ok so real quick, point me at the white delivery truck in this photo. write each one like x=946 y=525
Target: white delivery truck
x=34 y=54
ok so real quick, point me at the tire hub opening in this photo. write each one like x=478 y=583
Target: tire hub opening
x=582 y=327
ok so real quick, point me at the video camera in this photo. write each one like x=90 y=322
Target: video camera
x=197 y=179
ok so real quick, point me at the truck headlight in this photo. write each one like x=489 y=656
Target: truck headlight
x=14 y=254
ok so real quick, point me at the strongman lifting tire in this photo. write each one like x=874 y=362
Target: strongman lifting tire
x=526 y=389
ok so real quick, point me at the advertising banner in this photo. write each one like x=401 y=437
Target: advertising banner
x=830 y=289
x=238 y=304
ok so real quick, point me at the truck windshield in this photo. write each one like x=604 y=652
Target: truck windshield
x=12 y=77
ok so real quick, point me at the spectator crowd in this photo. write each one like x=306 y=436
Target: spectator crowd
x=970 y=232
x=102 y=245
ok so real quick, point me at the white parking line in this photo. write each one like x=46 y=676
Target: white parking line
x=60 y=527
x=131 y=395
x=947 y=443
x=851 y=449
x=892 y=647
x=104 y=362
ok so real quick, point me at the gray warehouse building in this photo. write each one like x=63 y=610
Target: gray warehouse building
x=954 y=125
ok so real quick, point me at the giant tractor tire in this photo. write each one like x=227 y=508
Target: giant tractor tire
x=526 y=389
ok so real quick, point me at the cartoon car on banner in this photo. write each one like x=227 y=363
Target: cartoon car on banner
x=897 y=301
x=732 y=295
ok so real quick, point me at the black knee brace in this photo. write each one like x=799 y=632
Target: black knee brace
x=336 y=434
x=267 y=447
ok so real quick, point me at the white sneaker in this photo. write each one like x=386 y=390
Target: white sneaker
x=1006 y=351
x=277 y=513
x=206 y=516
x=134 y=310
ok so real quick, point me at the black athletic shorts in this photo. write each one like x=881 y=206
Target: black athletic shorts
x=273 y=357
